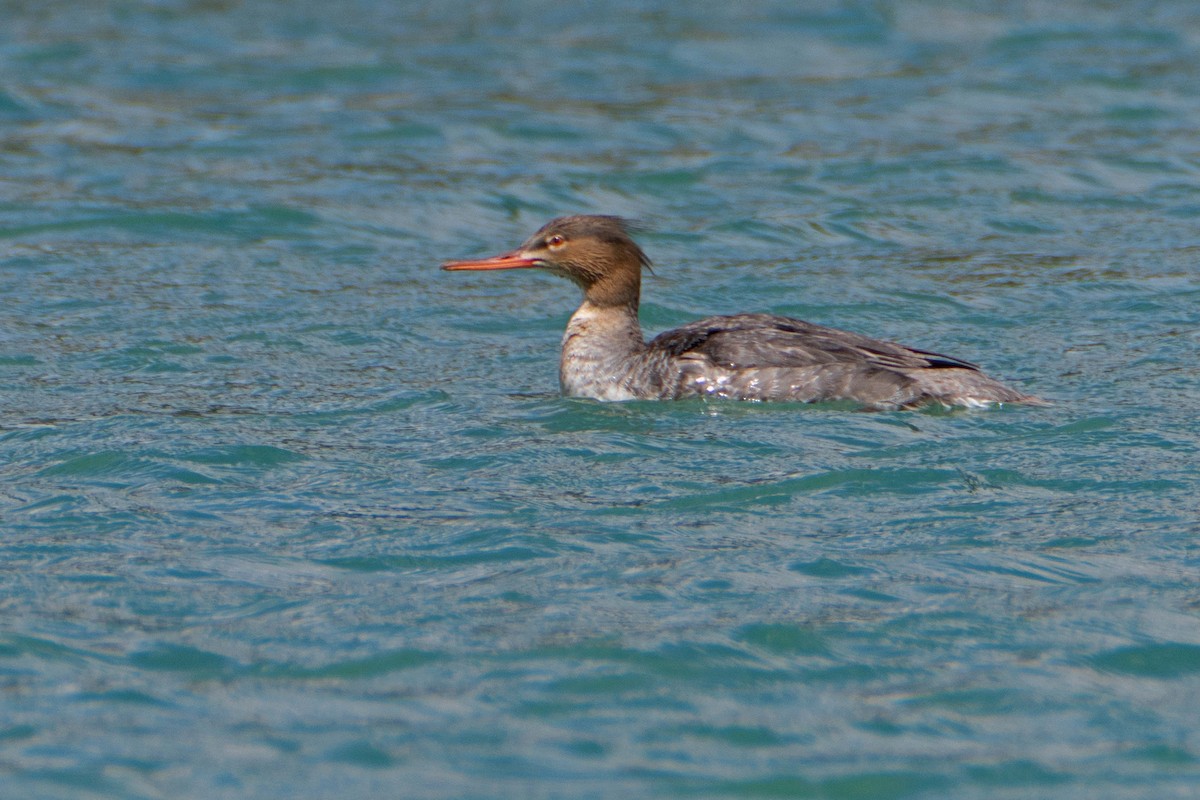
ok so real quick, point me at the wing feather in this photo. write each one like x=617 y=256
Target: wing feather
x=744 y=341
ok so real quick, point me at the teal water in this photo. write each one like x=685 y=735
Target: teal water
x=285 y=512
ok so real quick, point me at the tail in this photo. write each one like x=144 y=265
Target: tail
x=966 y=387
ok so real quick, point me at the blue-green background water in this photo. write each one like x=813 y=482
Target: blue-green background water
x=285 y=512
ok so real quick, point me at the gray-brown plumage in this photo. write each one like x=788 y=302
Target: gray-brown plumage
x=743 y=356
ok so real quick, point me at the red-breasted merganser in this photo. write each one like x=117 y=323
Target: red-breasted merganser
x=744 y=356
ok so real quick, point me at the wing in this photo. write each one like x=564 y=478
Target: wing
x=743 y=341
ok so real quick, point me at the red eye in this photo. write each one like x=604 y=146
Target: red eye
x=555 y=241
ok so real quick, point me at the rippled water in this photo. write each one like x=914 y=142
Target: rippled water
x=286 y=512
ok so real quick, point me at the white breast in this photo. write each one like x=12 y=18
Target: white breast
x=600 y=349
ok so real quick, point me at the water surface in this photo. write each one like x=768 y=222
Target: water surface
x=287 y=512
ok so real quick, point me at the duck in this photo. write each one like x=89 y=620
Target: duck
x=750 y=356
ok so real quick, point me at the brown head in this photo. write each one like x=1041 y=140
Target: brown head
x=593 y=250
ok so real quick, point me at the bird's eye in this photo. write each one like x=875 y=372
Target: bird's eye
x=556 y=241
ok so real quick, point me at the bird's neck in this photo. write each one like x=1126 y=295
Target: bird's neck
x=615 y=288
